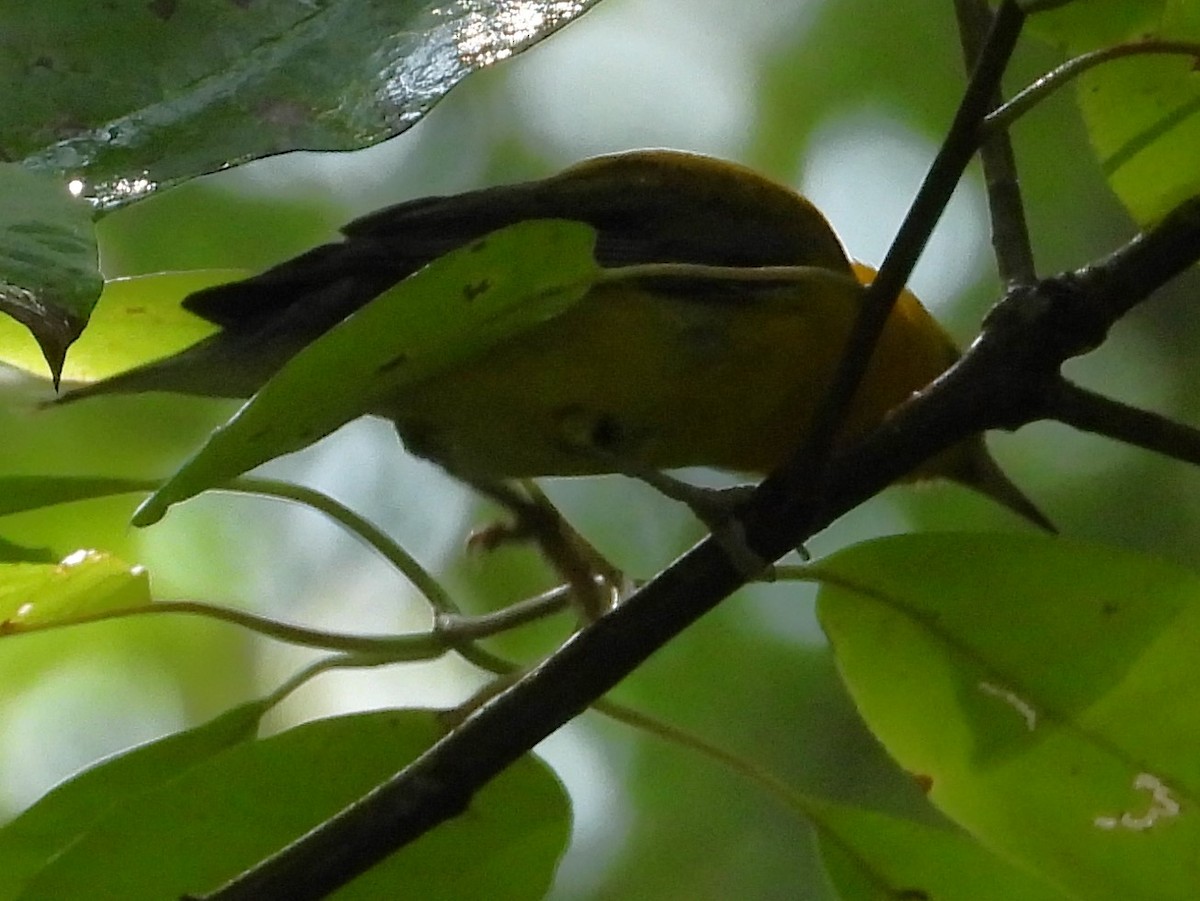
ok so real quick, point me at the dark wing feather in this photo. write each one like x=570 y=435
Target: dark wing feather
x=649 y=206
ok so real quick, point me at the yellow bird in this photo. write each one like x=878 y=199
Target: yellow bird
x=641 y=374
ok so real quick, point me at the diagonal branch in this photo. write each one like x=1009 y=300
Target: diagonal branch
x=796 y=483
x=1002 y=381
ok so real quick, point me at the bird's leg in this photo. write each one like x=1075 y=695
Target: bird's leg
x=596 y=585
x=717 y=508
x=608 y=446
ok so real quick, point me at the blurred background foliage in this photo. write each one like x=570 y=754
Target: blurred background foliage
x=847 y=102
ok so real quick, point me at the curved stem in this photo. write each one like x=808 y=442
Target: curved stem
x=470 y=628
x=324 y=665
x=1031 y=96
x=368 y=532
x=450 y=631
x=397 y=648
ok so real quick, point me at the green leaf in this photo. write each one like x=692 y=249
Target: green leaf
x=217 y=818
x=452 y=310
x=49 y=278
x=11 y=552
x=136 y=320
x=21 y=493
x=69 y=811
x=1142 y=112
x=1097 y=23
x=1037 y=685
x=84 y=583
x=871 y=856
x=129 y=95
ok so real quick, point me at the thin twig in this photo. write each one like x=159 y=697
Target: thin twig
x=471 y=628
x=795 y=485
x=1010 y=232
x=362 y=528
x=1004 y=378
x=448 y=633
x=1091 y=412
x=1026 y=99
x=418 y=646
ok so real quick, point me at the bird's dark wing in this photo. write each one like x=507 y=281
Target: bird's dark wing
x=647 y=206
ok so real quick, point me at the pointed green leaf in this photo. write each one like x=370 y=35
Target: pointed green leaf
x=136 y=320
x=872 y=856
x=21 y=493
x=11 y=552
x=193 y=833
x=49 y=278
x=69 y=811
x=1043 y=688
x=452 y=310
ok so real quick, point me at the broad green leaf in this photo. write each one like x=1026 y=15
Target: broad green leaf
x=1097 y=23
x=872 y=856
x=136 y=320
x=49 y=278
x=21 y=493
x=127 y=96
x=192 y=833
x=1040 y=686
x=69 y=811
x=1142 y=112
x=455 y=308
x=85 y=582
x=11 y=552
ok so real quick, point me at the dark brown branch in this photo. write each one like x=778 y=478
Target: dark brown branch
x=1155 y=256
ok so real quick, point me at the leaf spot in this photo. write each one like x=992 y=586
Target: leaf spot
x=392 y=365
x=164 y=9
x=1014 y=701
x=470 y=292
x=1162 y=806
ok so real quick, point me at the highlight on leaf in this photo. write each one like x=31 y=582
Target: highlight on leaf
x=84 y=583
